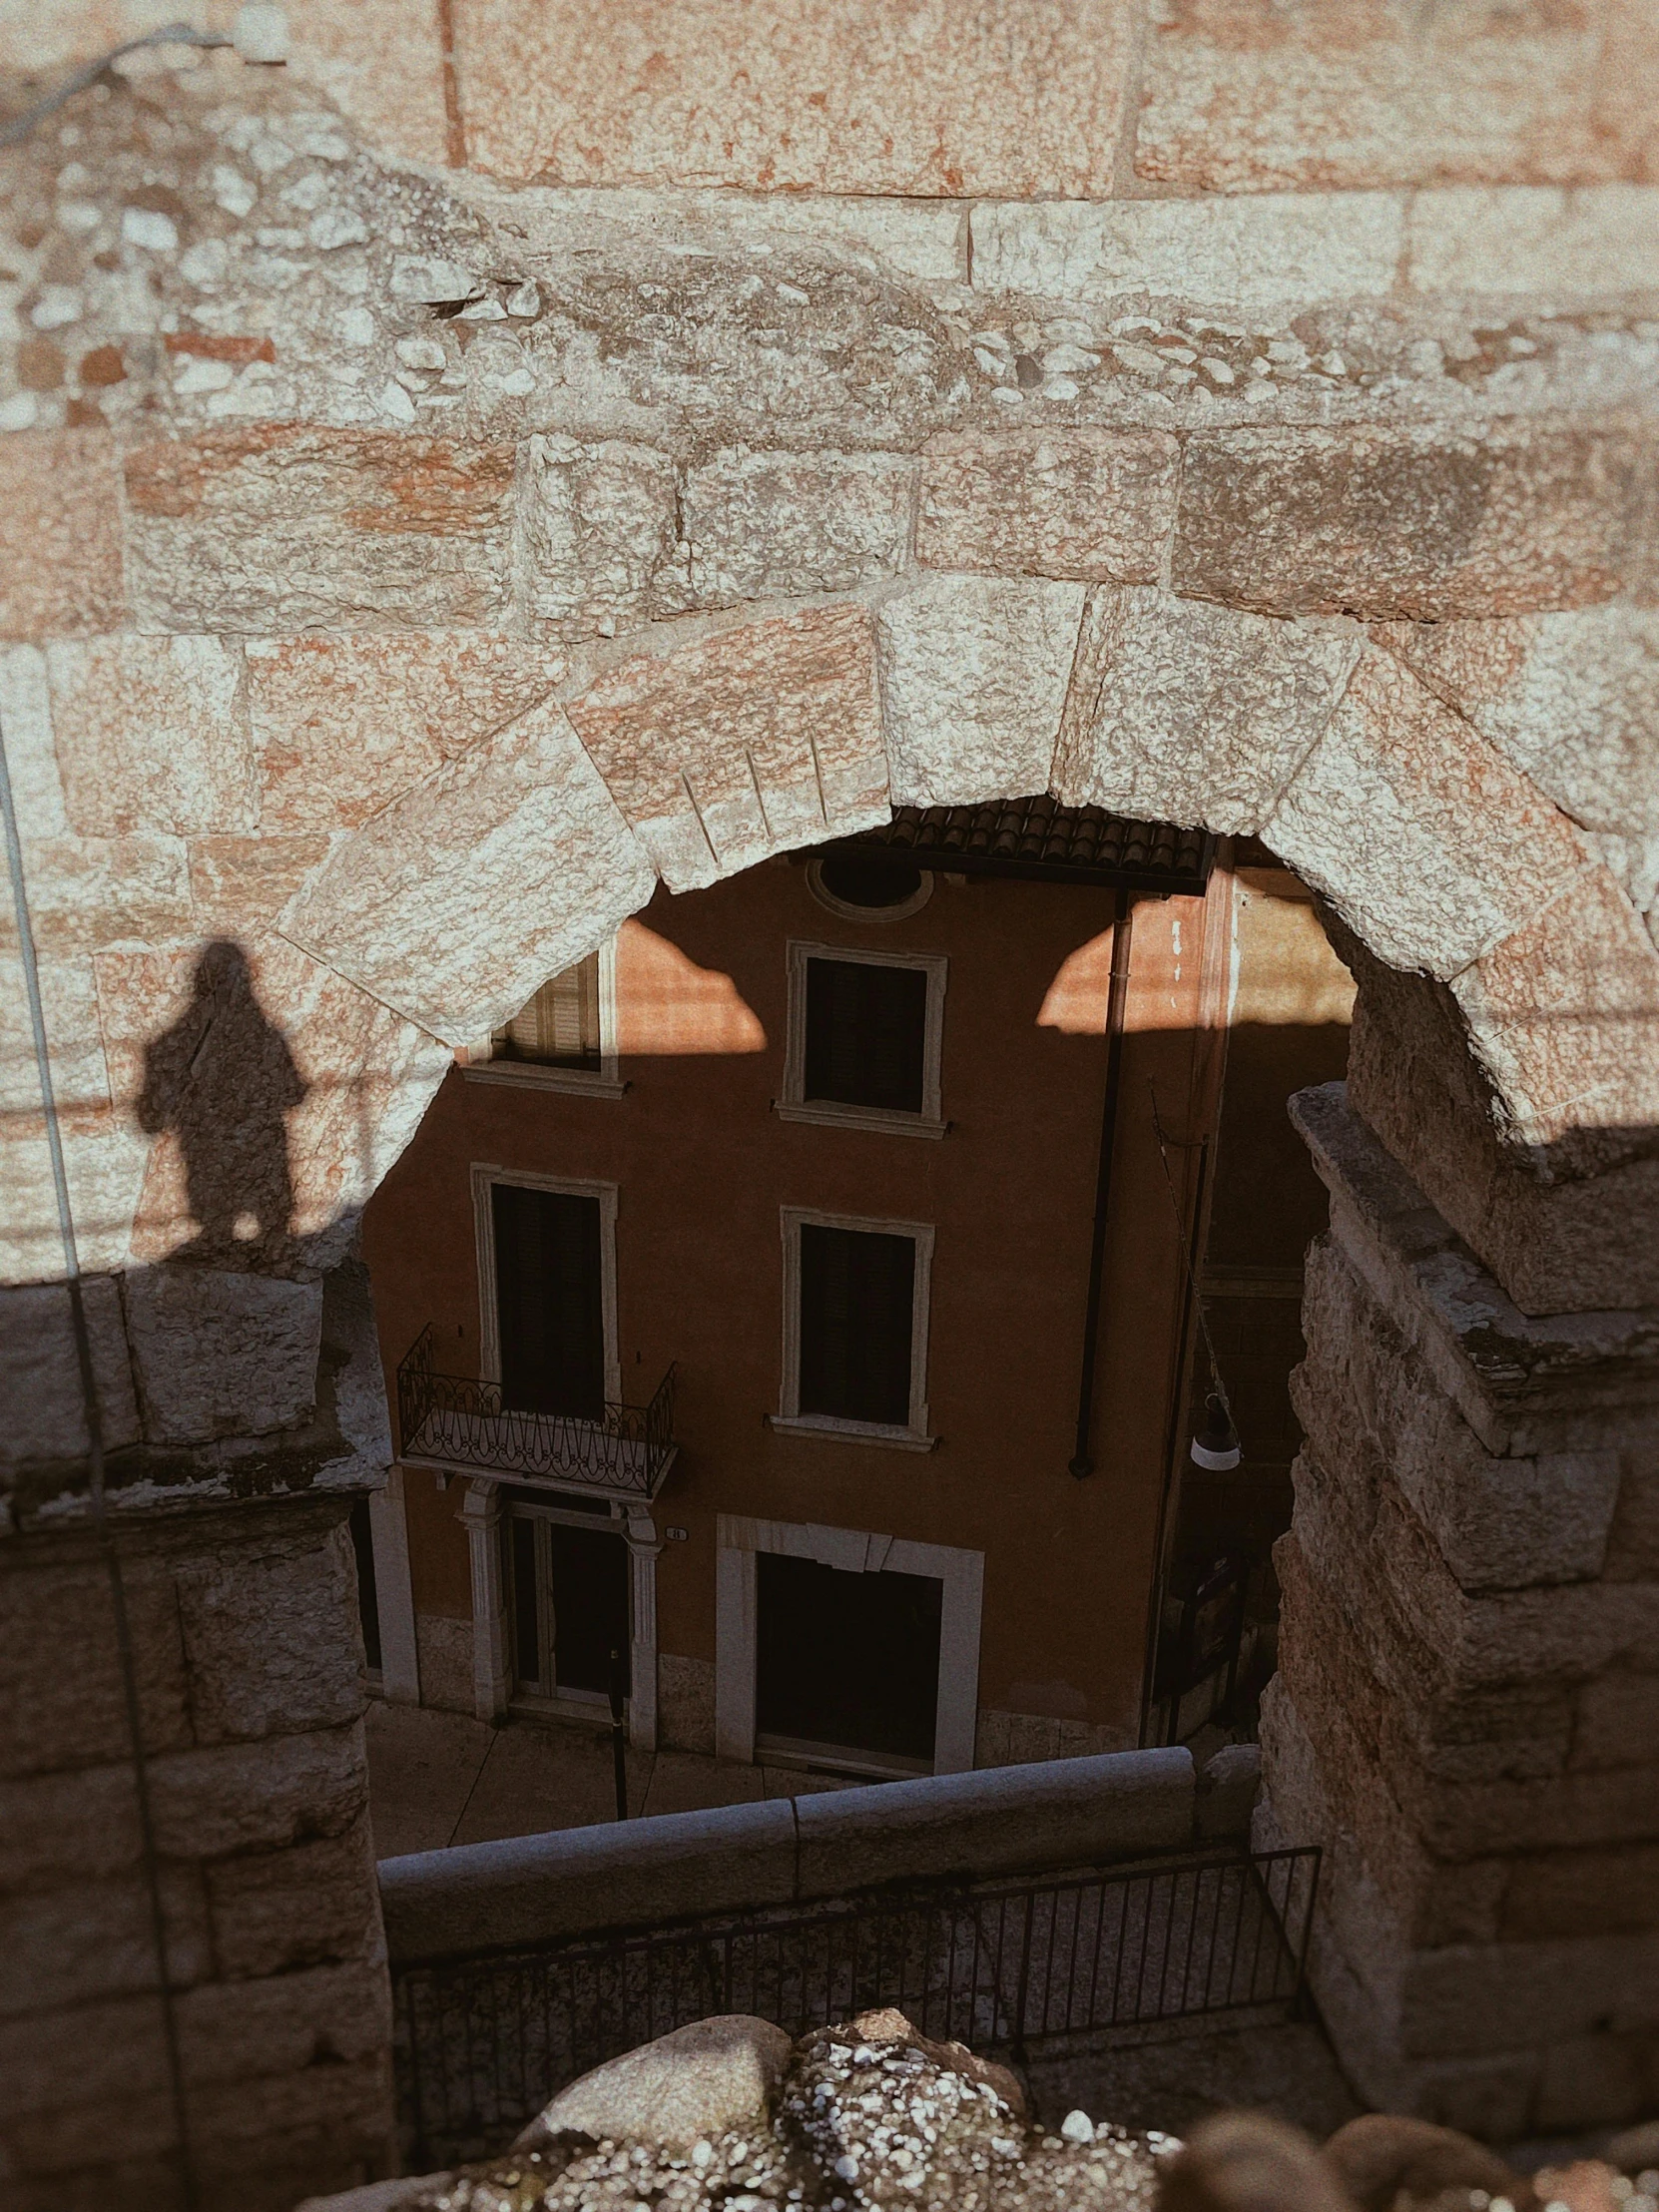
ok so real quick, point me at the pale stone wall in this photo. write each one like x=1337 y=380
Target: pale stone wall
x=1230 y=412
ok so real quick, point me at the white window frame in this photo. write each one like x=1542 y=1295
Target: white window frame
x=605 y=1081
x=913 y=1436
x=737 y=1610
x=485 y=1176
x=547 y=1508
x=795 y=1106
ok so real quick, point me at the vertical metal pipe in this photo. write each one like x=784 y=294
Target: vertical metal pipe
x=1117 y=999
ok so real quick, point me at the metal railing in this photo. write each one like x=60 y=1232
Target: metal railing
x=482 y=2044
x=450 y=1420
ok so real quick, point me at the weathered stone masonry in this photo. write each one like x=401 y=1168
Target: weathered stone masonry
x=407 y=565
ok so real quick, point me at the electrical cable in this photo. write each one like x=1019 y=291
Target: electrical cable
x=18 y=127
x=92 y=1407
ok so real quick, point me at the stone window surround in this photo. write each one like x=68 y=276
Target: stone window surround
x=739 y=1537
x=914 y=1436
x=605 y=1081
x=870 y=917
x=486 y=1175
x=794 y=1105
x=481 y=1517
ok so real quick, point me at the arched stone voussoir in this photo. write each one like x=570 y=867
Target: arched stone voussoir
x=742 y=741
x=1427 y=841
x=1192 y=712
x=455 y=902
x=974 y=674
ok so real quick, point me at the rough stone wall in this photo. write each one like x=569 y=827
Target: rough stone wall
x=519 y=454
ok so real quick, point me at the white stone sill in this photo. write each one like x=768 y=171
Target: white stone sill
x=828 y=1428
x=860 y=1117
x=528 y=1075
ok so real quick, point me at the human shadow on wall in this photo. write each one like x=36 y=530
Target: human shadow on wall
x=222 y=1081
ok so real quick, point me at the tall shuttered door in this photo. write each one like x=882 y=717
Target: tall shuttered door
x=857 y=1293
x=549 y=1302
x=867 y=1028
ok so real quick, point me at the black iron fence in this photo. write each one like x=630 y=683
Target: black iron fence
x=450 y=1420
x=482 y=2044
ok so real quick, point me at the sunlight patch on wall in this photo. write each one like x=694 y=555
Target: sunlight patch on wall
x=666 y=1003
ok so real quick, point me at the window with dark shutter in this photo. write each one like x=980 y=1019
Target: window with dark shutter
x=867 y=1034
x=549 y=1301
x=858 y=1293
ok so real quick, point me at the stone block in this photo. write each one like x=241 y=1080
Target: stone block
x=743 y=743
x=85 y=893
x=219 y=1354
x=975 y=673
x=1180 y=711
x=1563 y=1017
x=530 y=1889
x=60 y=537
x=1584 y=1894
x=521 y=827
x=79 y=1943
x=1596 y=2082
x=76 y=1826
x=598 y=531
x=1427 y=841
x=1471 y=2000
x=1617 y=1722
x=272 y=1638
x=1228 y=1787
x=1241 y=97
x=770 y=524
x=1571 y=698
x=109 y=2052
x=1066 y=1811
x=65 y=1700
x=40 y=1372
x=685 y=1703
x=282 y=527
x=1266 y=253
x=105 y=1165
x=1095 y=505
x=1422 y=524
x=152 y=735
x=265 y=1796
x=327 y=2117
x=344 y=53
x=1009 y=98
x=1597 y=240
x=277 y=1094
x=279 y=2023
x=242 y=883
x=313 y=1905
x=344 y=724
x=31 y=754
x=69 y=1006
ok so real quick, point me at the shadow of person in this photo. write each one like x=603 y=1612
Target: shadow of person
x=222 y=1080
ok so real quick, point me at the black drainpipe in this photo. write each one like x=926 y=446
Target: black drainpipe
x=1117 y=1000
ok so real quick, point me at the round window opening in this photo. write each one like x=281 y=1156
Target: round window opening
x=870 y=886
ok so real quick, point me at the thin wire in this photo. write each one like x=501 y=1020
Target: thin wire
x=17 y=129
x=1186 y=1261
x=93 y=1407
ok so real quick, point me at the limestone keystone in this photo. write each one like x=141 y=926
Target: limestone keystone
x=975 y=673
x=1091 y=504
x=745 y=742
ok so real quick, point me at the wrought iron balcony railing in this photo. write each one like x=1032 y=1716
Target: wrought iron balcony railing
x=461 y=1427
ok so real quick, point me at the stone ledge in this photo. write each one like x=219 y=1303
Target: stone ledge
x=1515 y=1378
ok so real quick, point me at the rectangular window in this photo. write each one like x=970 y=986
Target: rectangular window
x=563 y=1037
x=549 y=1301
x=855 y=1305
x=865 y=1037
x=559 y=1027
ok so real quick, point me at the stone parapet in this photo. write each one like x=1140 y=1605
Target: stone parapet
x=1467 y=1654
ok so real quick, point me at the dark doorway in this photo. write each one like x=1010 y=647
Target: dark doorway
x=569 y=1605
x=549 y=1301
x=846 y=1663
x=368 y=1598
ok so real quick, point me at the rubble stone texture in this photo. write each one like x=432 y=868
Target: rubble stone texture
x=448 y=489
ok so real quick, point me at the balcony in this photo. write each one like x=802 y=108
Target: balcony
x=460 y=1427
